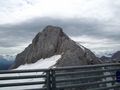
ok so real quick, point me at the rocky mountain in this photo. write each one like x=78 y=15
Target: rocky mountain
x=116 y=55
x=53 y=41
x=4 y=63
x=114 y=58
x=105 y=59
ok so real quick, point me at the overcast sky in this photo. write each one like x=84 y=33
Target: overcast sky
x=93 y=23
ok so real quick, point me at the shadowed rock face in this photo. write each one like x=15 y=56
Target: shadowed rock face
x=52 y=41
x=116 y=56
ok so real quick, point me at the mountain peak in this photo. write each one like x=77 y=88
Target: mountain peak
x=49 y=33
x=53 y=41
x=52 y=28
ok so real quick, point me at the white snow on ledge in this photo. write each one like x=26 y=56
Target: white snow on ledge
x=42 y=63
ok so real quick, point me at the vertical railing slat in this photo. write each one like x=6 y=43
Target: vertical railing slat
x=53 y=78
x=48 y=80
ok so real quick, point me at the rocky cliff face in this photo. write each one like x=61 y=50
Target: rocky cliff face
x=52 y=41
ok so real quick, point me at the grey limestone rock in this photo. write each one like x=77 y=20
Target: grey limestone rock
x=52 y=41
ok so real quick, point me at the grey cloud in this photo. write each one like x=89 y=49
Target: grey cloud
x=14 y=35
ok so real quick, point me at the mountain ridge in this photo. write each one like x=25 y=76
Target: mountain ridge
x=115 y=57
x=5 y=64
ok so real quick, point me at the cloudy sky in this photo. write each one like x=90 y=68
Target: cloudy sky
x=93 y=23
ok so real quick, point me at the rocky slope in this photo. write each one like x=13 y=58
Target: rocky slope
x=53 y=41
x=114 y=58
x=105 y=59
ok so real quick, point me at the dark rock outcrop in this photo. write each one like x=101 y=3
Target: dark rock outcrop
x=52 y=41
x=116 y=57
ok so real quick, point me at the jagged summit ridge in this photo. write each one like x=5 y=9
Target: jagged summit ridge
x=53 y=41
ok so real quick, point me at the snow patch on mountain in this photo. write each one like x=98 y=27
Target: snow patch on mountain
x=42 y=63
